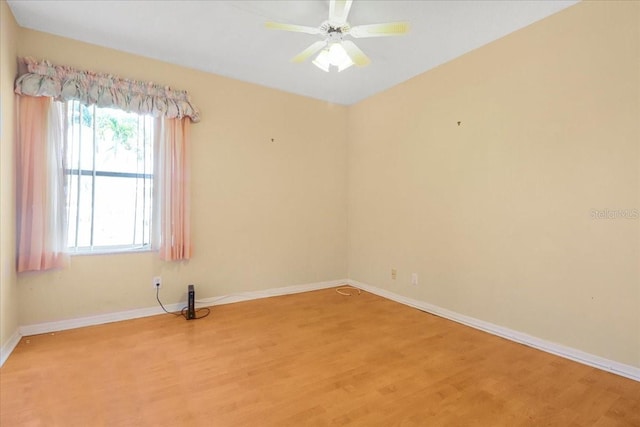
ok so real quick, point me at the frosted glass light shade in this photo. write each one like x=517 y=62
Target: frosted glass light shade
x=333 y=55
x=322 y=60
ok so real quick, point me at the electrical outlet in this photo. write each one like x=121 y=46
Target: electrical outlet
x=156 y=282
x=394 y=273
x=414 y=279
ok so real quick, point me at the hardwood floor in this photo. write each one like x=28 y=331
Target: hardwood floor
x=311 y=359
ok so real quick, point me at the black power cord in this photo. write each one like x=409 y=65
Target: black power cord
x=183 y=312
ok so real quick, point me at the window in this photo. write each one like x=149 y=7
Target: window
x=109 y=179
x=88 y=178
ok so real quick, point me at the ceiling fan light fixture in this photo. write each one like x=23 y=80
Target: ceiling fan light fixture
x=339 y=57
x=322 y=60
x=333 y=55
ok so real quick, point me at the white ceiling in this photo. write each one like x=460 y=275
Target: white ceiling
x=229 y=38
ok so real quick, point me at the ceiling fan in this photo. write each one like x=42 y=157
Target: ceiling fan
x=333 y=49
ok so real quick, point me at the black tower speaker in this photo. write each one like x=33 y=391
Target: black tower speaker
x=191 y=308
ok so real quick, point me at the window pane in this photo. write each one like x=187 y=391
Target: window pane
x=116 y=219
x=122 y=141
x=72 y=203
x=109 y=162
x=79 y=150
x=83 y=206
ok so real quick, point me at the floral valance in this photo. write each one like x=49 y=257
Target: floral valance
x=105 y=90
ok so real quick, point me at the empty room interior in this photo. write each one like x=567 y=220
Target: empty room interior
x=443 y=231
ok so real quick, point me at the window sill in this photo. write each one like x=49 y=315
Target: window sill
x=110 y=251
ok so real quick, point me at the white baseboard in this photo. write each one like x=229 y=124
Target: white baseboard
x=61 y=325
x=621 y=369
x=99 y=319
x=273 y=292
x=8 y=347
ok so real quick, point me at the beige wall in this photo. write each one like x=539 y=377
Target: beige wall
x=8 y=280
x=264 y=214
x=495 y=214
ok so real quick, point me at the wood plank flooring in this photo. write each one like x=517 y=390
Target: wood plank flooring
x=311 y=359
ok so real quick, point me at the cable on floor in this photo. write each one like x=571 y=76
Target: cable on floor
x=347 y=290
x=183 y=312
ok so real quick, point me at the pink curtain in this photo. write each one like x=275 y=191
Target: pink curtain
x=41 y=234
x=173 y=181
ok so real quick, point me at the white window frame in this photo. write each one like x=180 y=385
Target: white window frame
x=73 y=246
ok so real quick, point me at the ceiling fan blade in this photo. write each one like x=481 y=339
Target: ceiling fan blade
x=357 y=56
x=379 y=30
x=290 y=27
x=339 y=11
x=315 y=47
